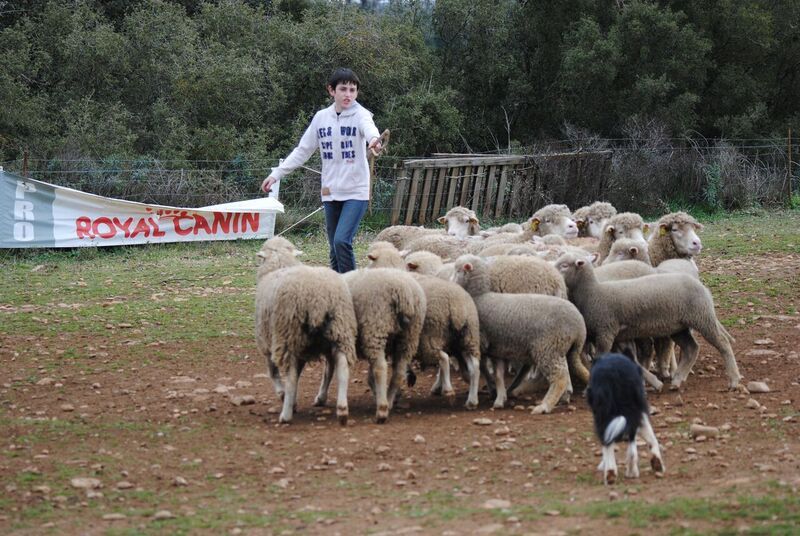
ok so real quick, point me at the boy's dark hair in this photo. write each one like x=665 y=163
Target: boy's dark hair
x=343 y=75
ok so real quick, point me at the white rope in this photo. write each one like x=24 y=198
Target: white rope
x=300 y=221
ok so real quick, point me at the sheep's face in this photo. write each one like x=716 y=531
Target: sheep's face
x=618 y=232
x=460 y=225
x=624 y=250
x=684 y=238
x=559 y=225
x=594 y=227
x=276 y=246
x=571 y=266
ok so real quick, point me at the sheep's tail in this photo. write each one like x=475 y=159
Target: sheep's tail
x=614 y=429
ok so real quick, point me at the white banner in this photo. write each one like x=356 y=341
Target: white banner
x=35 y=214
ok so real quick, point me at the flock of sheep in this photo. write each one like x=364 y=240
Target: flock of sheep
x=540 y=300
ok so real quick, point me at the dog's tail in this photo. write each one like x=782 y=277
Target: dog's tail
x=614 y=430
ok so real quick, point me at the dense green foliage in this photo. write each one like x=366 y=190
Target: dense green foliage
x=227 y=79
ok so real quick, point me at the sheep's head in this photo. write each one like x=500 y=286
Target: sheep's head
x=627 y=249
x=277 y=246
x=683 y=235
x=553 y=219
x=625 y=225
x=460 y=222
x=573 y=266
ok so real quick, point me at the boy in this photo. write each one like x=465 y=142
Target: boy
x=341 y=131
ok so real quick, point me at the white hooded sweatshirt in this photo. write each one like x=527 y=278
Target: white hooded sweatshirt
x=342 y=142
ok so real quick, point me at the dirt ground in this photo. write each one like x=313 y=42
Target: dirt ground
x=189 y=447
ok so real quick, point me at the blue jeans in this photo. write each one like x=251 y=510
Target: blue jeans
x=341 y=221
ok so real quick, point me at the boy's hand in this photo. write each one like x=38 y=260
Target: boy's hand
x=266 y=186
x=375 y=146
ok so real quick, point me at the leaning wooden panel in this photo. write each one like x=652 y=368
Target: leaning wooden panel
x=451 y=191
x=491 y=189
x=501 y=190
x=399 y=193
x=426 y=194
x=477 y=188
x=437 y=198
x=466 y=183
x=516 y=186
x=412 y=195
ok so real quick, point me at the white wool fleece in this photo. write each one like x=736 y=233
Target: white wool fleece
x=342 y=140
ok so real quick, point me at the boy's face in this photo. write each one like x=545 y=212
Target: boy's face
x=344 y=95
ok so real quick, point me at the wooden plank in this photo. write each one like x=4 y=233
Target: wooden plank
x=515 y=187
x=451 y=191
x=412 y=195
x=437 y=199
x=426 y=193
x=501 y=191
x=466 y=183
x=477 y=160
x=476 y=191
x=491 y=190
x=399 y=192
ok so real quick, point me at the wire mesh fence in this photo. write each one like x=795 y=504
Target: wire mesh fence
x=632 y=174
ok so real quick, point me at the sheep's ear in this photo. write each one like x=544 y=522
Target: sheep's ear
x=442 y=220
x=646 y=229
x=372 y=257
x=580 y=223
x=412 y=266
x=663 y=229
x=261 y=255
x=468 y=267
x=634 y=251
x=698 y=226
x=404 y=252
x=593 y=257
x=610 y=229
x=580 y=262
x=535 y=224
x=473 y=220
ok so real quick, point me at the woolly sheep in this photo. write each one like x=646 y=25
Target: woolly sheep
x=507 y=248
x=623 y=225
x=401 y=235
x=675 y=237
x=524 y=275
x=507 y=228
x=619 y=406
x=384 y=255
x=445 y=246
x=460 y=222
x=661 y=305
x=423 y=262
x=302 y=313
x=450 y=328
x=554 y=219
x=627 y=249
x=530 y=331
x=591 y=219
x=390 y=309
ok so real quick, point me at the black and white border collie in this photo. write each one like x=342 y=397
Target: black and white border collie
x=619 y=406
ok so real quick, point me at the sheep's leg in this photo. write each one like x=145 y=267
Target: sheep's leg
x=632 y=460
x=444 y=371
x=291 y=393
x=558 y=378
x=327 y=376
x=665 y=352
x=644 y=350
x=720 y=339
x=521 y=375
x=646 y=431
x=651 y=379
x=689 y=351
x=608 y=465
x=500 y=382
x=380 y=369
x=275 y=375
x=436 y=388
x=342 y=379
x=488 y=376
x=473 y=365
x=398 y=369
